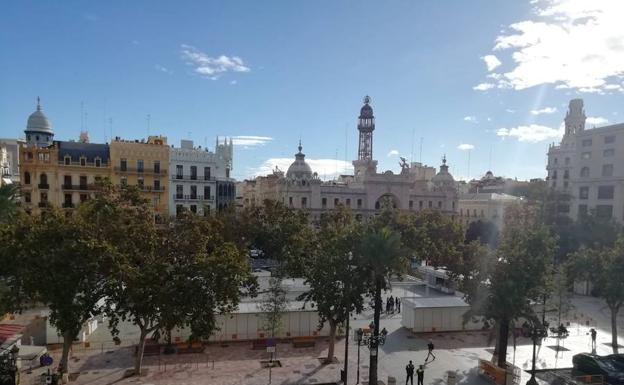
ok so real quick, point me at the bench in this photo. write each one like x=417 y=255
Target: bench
x=186 y=348
x=260 y=344
x=304 y=342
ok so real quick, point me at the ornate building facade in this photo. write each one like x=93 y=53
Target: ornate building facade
x=415 y=188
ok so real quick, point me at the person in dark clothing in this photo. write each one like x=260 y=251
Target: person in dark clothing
x=430 y=346
x=398 y=305
x=410 y=373
x=593 y=338
x=420 y=372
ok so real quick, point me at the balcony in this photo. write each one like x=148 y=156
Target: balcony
x=87 y=164
x=134 y=170
x=44 y=186
x=68 y=205
x=181 y=197
x=44 y=204
x=194 y=177
x=81 y=187
x=152 y=189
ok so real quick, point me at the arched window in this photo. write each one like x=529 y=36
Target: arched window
x=43 y=179
x=27 y=178
x=585 y=172
x=566 y=174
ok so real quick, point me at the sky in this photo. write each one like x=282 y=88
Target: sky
x=485 y=83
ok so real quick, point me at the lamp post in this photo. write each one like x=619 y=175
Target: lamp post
x=536 y=332
x=359 y=334
x=372 y=341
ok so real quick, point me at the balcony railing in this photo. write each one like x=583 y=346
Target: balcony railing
x=191 y=177
x=192 y=197
x=44 y=186
x=134 y=170
x=151 y=188
x=87 y=164
x=80 y=187
x=67 y=205
x=44 y=204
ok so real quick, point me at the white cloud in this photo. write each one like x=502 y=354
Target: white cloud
x=511 y=111
x=465 y=147
x=250 y=140
x=472 y=119
x=575 y=44
x=233 y=82
x=160 y=68
x=483 y=86
x=393 y=153
x=491 y=61
x=545 y=110
x=532 y=133
x=212 y=67
x=596 y=120
x=326 y=168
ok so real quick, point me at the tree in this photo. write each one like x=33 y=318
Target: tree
x=59 y=266
x=502 y=285
x=604 y=268
x=483 y=231
x=274 y=305
x=9 y=195
x=333 y=272
x=383 y=255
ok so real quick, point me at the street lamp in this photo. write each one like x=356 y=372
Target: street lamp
x=536 y=332
x=369 y=340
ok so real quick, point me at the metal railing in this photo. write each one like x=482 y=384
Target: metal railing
x=135 y=170
x=43 y=186
x=77 y=187
x=192 y=197
x=196 y=177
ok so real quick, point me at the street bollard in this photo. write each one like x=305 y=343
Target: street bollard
x=451 y=379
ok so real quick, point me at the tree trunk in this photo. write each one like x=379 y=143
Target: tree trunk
x=68 y=339
x=614 y=337
x=138 y=362
x=503 y=334
x=332 y=342
x=374 y=351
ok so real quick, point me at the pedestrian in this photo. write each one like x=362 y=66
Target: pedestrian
x=398 y=304
x=430 y=346
x=387 y=305
x=391 y=305
x=410 y=373
x=421 y=374
x=593 y=338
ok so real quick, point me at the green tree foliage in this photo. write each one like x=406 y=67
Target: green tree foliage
x=483 y=231
x=9 y=196
x=274 y=304
x=333 y=272
x=604 y=268
x=502 y=285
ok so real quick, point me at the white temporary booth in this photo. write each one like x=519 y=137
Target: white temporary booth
x=436 y=314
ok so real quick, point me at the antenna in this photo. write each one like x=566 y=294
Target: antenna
x=110 y=125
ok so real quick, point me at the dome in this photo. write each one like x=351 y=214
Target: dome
x=443 y=177
x=299 y=169
x=38 y=122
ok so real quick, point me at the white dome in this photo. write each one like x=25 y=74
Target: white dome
x=299 y=169
x=38 y=122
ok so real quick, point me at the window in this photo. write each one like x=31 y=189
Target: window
x=290 y=200
x=140 y=182
x=605 y=192
x=67 y=181
x=206 y=192
x=193 y=192
x=83 y=161
x=604 y=211
x=453 y=205
x=563 y=208
x=179 y=191
x=156 y=184
x=565 y=184
x=609 y=139
x=179 y=171
x=584 y=192
x=582 y=210
x=140 y=165
x=123 y=164
x=227 y=172
x=377 y=205
x=29 y=155
x=585 y=172
x=482 y=213
x=608 y=152
x=193 y=172
x=83 y=182
x=83 y=198
x=348 y=202
x=43 y=197
x=474 y=213
x=43 y=181
x=359 y=203
x=26 y=177
x=336 y=202
x=420 y=204
x=206 y=173
x=179 y=209
x=206 y=210
x=411 y=204
x=67 y=160
x=554 y=174
x=324 y=202
x=26 y=196
x=586 y=142
x=304 y=202
x=430 y=204
x=556 y=161
x=98 y=162
x=68 y=200
x=586 y=155
x=194 y=209
x=124 y=180
x=607 y=170
x=439 y=204
x=567 y=161
x=566 y=174
x=156 y=167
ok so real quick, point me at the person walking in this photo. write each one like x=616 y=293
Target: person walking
x=430 y=346
x=398 y=305
x=420 y=374
x=410 y=373
x=593 y=333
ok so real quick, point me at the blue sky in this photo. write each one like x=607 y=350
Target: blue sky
x=492 y=76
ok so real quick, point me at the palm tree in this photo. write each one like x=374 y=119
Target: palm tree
x=9 y=195
x=383 y=255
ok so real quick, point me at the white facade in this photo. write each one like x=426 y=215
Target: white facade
x=194 y=173
x=484 y=207
x=9 y=160
x=416 y=187
x=588 y=165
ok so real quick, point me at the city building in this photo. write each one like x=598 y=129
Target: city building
x=58 y=173
x=9 y=160
x=490 y=183
x=587 y=165
x=484 y=206
x=416 y=187
x=197 y=177
x=145 y=164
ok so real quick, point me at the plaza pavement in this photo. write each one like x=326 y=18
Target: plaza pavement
x=238 y=364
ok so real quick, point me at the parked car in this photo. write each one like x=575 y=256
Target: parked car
x=596 y=365
x=618 y=361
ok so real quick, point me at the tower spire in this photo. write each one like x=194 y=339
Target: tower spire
x=38 y=104
x=366 y=126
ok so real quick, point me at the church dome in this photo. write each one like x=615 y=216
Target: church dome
x=443 y=177
x=38 y=122
x=299 y=169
